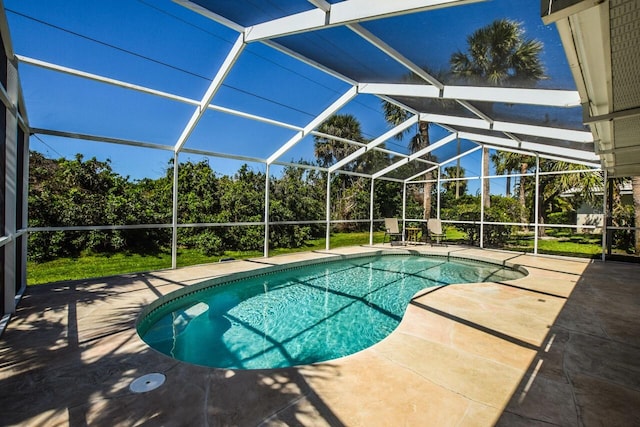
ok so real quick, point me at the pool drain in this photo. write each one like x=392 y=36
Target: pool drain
x=147 y=383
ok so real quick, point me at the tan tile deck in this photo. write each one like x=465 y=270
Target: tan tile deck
x=559 y=347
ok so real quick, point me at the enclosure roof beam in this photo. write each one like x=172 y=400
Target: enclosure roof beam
x=400 y=89
x=508 y=95
x=342 y=13
x=309 y=62
x=434 y=146
x=332 y=109
x=446 y=119
x=379 y=140
x=321 y=4
x=411 y=178
x=101 y=79
x=533 y=147
x=461 y=155
x=544 y=131
x=142 y=144
x=254 y=117
x=362 y=144
x=397 y=56
x=444 y=141
x=216 y=83
x=507 y=127
x=544 y=97
x=97 y=138
x=209 y=14
x=475 y=110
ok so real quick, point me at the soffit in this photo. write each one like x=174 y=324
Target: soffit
x=602 y=40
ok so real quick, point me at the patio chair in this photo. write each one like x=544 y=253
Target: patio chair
x=392 y=230
x=434 y=226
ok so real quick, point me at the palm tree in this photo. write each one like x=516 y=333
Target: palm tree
x=550 y=187
x=505 y=163
x=498 y=55
x=457 y=187
x=328 y=151
x=395 y=115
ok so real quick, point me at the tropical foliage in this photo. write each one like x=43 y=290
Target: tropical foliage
x=72 y=193
x=499 y=55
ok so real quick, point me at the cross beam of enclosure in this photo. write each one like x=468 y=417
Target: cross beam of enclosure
x=339 y=103
x=222 y=73
x=444 y=141
x=379 y=140
x=342 y=13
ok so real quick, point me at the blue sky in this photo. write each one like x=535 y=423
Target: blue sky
x=164 y=46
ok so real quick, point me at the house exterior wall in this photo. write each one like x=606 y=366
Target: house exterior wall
x=14 y=158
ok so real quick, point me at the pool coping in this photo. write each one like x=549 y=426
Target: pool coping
x=268 y=269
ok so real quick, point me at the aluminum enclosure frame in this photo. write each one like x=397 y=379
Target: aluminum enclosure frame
x=348 y=13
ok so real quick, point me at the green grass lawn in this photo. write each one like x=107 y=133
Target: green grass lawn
x=99 y=265
x=559 y=242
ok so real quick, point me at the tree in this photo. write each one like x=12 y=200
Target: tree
x=394 y=115
x=328 y=150
x=350 y=192
x=498 y=55
x=506 y=162
x=459 y=186
x=297 y=195
x=87 y=192
x=550 y=188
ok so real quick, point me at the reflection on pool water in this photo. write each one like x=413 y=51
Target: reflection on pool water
x=302 y=315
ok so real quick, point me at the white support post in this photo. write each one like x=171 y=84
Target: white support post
x=458 y=168
x=222 y=73
x=482 y=178
x=266 y=213
x=605 y=213
x=174 y=217
x=328 y=212
x=25 y=211
x=404 y=206
x=10 y=191
x=371 y=212
x=536 y=206
x=438 y=196
x=10 y=200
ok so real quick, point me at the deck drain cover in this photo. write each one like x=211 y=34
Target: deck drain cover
x=146 y=383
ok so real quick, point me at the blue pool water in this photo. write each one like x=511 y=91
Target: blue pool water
x=302 y=315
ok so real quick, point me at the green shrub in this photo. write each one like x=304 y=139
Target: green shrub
x=624 y=216
x=567 y=217
x=503 y=209
x=209 y=244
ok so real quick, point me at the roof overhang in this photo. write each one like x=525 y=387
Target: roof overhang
x=601 y=43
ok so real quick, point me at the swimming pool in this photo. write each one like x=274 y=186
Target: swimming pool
x=301 y=314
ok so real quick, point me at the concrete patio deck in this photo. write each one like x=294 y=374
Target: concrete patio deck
x=559 y=347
